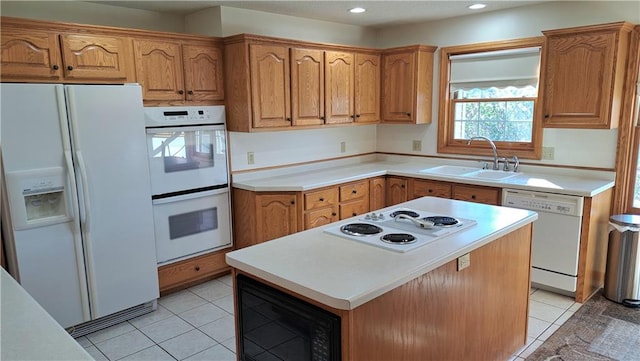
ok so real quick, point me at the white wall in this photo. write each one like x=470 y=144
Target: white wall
x=90 y=13
x=298 y=146
x=589 y=148
x=236 y=21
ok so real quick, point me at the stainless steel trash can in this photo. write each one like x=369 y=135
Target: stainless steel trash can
x=622 y=278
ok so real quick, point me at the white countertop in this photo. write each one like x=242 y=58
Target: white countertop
x=345 y=274
x=303 y=178
x=28 y=331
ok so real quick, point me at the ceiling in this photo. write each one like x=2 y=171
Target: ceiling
x=378 y=14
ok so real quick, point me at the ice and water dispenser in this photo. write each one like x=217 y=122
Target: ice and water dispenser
x=38 y=197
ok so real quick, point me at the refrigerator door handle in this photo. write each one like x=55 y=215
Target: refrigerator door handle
x=77 y=238
x=84 y=200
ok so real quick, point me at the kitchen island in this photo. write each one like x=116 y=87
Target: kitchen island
x=419 y=305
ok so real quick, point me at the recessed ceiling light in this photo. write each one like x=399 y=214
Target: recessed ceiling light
x=357 y=10
x=477 y=6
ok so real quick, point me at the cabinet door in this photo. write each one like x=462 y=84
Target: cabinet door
x=320 y=217
x=422 y=188
x=270 y=86
x=202 y=72
x=95 y=57
x=399 y=83
x=367 y=88
x=377 y=192
x=307 y=87
x=276 y=216
x=339 y=87
x=396 y=190
x=30 y=55
x=578 y=79
x=486 y=195
x=159 y=69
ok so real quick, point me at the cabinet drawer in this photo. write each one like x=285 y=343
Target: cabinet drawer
x=486 y=195
x=355 y=208
x=321 y=198
x=181 y=274
x=320 y=217
x=354 y=191
x=422 y=188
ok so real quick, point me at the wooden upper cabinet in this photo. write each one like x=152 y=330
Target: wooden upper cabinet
x=173 y=72
x=36 y=55
x=339 y=87
x=367 y=88
x=582 y=76
x=159 y=69
x=30 y=54
x=270 y=86
x=307 y=87
x=95 y=57
x=203 y=72
x=407 y=76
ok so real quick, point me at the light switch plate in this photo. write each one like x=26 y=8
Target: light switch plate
x=464 y=261
x=250 y=158
x=343 y=147
x=548 y=153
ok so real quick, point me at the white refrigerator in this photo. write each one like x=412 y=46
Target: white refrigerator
x=77 y=218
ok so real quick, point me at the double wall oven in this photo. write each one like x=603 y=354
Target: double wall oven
x=189 y=180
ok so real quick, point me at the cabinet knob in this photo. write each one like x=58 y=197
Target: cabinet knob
x=334 y=214
x=288 y=119
x=293 y=202
x=352 y=116
x=321 y=118
x=69 y=67
x=357 y=115
x=402 y=186
x=55 y=67
x=408 y=114
x=355 y=214
x=546 y=116
x=180 y=91
x=354 y=191
x=473 y=196
x=321 y=199
x=197 y=268
x=430 y=190
x=190 y=92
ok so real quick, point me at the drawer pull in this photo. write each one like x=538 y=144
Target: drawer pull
x=55 y=67
x=473 y=196
x=334 y=214
x=354 y=191
x=321 y=199
x=355 y=214
x=197 y=268
x=430 y=191
x=180 y=91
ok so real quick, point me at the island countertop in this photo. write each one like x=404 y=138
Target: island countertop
x=345 y=274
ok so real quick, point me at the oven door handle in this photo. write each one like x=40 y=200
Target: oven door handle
x=195 y=195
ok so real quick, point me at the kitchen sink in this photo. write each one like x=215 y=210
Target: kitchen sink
x=469 y=172
x=491 y=174
x=449 y=170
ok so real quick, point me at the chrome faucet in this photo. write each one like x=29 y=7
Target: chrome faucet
x=496 y=166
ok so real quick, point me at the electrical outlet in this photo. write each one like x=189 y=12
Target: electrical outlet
x=417 y=145
x=250 y=158
x=343 y=147
x=548 y=153
x=464 y=261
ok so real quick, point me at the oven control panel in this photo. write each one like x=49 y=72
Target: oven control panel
x=183 y=115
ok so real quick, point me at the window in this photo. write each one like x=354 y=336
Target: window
x=491 y=90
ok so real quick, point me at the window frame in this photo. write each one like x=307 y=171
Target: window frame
x=446 y=142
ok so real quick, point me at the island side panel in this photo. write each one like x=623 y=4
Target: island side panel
x=477 y=313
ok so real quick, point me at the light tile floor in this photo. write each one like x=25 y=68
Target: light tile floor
x=197 y=324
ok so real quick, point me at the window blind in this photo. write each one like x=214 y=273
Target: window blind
x=516 y=67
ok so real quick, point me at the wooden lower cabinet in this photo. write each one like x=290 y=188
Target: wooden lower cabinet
x=424 y=187
x=396 y=190
x=183 y=274
x=477 y=194
x=354 y=199
x=377 y=193
x=320 y=207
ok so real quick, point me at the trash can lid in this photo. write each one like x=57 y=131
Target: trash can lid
x=631 y=220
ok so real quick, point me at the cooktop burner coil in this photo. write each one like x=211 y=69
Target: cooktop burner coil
x=405 y=212
x=360 y=229
x=442 y=221
x=398 y=238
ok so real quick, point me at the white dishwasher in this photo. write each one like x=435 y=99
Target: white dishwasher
x=556 y=236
